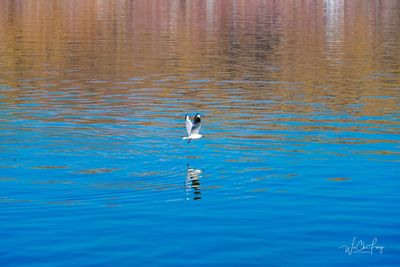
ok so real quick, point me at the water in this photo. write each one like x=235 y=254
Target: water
x=300 y=108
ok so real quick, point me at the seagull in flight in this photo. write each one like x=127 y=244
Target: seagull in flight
x=193 y=129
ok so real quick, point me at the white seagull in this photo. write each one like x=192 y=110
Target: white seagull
x=193 y=129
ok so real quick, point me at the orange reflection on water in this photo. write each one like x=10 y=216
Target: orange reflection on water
x=74 y=55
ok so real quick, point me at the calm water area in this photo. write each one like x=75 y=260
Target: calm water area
x=301 y=150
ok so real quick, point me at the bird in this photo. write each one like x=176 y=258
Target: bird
x=193 y=129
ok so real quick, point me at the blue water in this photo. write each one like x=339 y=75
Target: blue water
x=94 y=171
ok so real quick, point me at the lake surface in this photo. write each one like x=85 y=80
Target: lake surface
x=300 y=108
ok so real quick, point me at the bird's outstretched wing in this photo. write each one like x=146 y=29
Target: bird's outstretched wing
x=188 y=124
x=197 y=125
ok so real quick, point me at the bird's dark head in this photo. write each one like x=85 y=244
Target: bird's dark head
x=197 y=118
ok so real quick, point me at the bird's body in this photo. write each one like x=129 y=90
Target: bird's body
x=193 y=129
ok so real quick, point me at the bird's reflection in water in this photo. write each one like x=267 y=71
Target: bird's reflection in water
x=192 y=183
